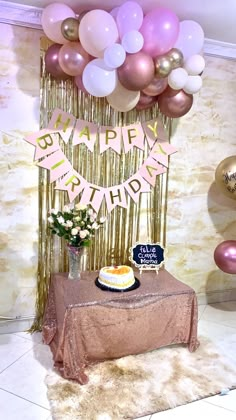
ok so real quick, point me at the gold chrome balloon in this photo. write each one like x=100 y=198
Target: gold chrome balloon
x=176 y=58
x=162 y=66
x=70 y=29
x=225 y=177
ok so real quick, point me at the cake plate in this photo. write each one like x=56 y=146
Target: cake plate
x=110 y=289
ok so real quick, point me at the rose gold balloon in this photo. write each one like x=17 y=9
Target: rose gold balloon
x=145 y=102
x=73 y=58
x=225 y=256
x=79 y=83
x=51 y=62
x=225 y=177
x=175 y=103
x=156 y=87
x=137 y=71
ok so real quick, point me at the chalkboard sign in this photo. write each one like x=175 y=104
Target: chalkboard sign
x=147 y=256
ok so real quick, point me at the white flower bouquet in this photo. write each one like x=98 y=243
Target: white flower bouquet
x=77 y=225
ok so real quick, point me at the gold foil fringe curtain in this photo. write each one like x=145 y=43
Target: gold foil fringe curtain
x=141 y=221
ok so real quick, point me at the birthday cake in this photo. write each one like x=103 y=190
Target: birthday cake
x=119 y=277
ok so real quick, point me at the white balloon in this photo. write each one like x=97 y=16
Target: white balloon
x=194 y=65
x=177 y=78
x=193 y=84
x=122 y=99
x=98 y=79
x=97 y=30
x=190 y=39
x=114 y=56
x=132 y=41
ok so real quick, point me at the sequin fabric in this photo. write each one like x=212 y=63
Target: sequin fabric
x=84 y=324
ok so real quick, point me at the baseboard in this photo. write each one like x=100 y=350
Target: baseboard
x=8 y=327
x=216 y=296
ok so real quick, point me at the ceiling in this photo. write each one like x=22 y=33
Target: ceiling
x=217 y=17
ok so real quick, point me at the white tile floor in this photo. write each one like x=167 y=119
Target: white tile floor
x=24 y=362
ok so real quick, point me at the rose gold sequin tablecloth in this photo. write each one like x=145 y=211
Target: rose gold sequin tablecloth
x=84 y=325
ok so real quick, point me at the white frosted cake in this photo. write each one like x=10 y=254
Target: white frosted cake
x=119 y=277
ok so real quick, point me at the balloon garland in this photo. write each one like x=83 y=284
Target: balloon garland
x=225 y=178
x=131 y=59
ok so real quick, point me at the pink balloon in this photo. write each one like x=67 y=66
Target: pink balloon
x=73 y=58
x=129 y=17
x=156 y=87
x=225 y=256
x=190 y=39
x=97 y=31
x=160 y=30
x=114 y=12
x=145 y=102
x=137 y=71
x=52 y=64
x=79 y=84
x=52 y=18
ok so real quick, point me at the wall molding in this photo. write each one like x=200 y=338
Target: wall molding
x=216 y=296
x=30 y=17
x=20 y=15
x=220 y=49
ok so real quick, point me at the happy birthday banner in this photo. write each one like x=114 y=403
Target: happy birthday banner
x=119 y=139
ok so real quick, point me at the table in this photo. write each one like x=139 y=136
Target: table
x=85 y=325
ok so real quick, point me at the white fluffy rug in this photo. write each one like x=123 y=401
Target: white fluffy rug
x=136 y=386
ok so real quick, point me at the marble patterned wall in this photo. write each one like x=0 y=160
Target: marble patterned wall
x=199 y=217
x=19 y=115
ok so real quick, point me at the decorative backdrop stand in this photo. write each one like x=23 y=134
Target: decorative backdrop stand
x=124 y=227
